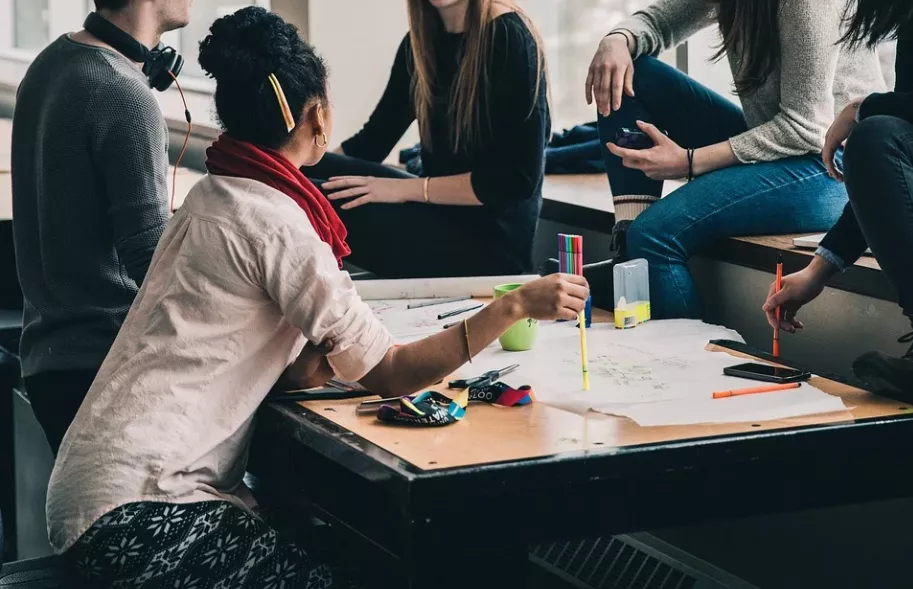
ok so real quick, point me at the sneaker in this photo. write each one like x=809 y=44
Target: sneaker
x=887 y=375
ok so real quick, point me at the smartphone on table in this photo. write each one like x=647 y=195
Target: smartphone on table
x=767 y=373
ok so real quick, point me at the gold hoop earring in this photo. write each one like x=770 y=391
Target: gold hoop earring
x=326 y=140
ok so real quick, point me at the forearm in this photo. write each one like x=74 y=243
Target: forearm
x=665 y=24
x=713 y=157
x=845 y=240
x=310 y=369
x=822 y=269
x=896 y=104
x=408 y=369
x=444 y=190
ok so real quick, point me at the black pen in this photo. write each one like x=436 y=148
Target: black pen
x=319 y=394
x=459 y=311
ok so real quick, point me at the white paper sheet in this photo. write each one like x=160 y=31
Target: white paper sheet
x=658 y=373
x=409 y=325
x=806 y=400
x=435 y=288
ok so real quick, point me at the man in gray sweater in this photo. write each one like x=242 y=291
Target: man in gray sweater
x=90 y=200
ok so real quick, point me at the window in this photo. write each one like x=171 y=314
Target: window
x=203 y=13
x=572 y=30
x=30 y=24
x=27 y=26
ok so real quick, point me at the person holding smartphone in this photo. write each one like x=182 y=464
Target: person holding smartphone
x=752 y=170
x=878 y=173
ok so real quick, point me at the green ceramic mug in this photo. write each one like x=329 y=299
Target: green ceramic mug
x=522 y=335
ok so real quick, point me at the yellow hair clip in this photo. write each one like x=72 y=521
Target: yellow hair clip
x=283 y=103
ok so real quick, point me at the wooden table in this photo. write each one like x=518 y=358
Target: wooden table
x=458 y=506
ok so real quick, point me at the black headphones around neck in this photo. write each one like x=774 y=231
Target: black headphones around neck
x=159 y=64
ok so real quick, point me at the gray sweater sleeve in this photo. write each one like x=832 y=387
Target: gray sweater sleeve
x=809 y=32
x=667 y=23
x=130 y=145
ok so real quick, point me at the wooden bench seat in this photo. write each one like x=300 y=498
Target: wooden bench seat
x=584 y=201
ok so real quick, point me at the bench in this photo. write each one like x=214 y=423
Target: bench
x=583 y=202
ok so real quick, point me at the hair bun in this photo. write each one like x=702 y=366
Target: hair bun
x=247 y=45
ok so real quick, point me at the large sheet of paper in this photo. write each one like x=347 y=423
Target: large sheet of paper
x=435 y=288
x=409 y=325
x=658 y=373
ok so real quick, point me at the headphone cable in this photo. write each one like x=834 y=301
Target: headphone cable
x=174 y=182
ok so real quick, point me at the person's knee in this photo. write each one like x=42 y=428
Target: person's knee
x=874 y=139
x=647 y=69
x=650 y=72
x=650 y=241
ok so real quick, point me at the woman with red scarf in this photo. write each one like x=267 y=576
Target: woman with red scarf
x=244 y=291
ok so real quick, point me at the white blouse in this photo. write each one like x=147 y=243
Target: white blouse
x=239 y=282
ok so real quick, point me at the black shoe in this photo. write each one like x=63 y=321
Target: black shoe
x=887 y=375
x=619 y=245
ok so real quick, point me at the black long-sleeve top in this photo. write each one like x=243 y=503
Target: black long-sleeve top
x=508 y=164
x=845 y=240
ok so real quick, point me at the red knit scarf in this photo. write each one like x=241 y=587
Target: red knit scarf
x=240 y=159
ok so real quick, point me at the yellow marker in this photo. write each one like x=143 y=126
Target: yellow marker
x=583 y=359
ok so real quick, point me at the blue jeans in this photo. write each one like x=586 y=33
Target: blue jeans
x=792 y=195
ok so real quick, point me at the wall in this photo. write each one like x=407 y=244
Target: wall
x=359 y=52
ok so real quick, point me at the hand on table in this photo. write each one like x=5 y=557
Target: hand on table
x=666 y=160
x=836 y=137
x=611 y=74
x=368 y=189
x=558 y=296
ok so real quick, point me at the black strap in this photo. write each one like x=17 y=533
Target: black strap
x=116 y=38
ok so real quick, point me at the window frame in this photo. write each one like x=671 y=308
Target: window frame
x=198 y=91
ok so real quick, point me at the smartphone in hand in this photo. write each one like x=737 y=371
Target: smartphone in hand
x=633 y=139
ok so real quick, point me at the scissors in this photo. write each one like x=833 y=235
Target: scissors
x=481 y=381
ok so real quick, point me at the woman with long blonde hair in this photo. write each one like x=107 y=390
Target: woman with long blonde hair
x=472 y=73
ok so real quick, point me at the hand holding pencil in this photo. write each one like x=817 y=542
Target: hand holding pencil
x=796 y=291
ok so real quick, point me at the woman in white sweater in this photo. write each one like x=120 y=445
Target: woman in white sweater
x=752 y=170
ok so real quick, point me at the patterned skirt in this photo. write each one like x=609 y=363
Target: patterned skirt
x=208 y=545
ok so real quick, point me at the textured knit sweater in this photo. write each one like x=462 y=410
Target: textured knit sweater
x=791 y=113
x=90 y=200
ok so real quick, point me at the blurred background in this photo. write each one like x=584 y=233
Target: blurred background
x=358 y=38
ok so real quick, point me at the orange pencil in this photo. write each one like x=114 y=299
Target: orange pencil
x=779 y=285
x=763 y=389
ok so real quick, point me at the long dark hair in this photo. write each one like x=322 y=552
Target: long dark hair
x=751 y=32
x=874 y=21
x=468 y=98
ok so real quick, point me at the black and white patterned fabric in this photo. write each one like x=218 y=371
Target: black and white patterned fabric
x=209 y=545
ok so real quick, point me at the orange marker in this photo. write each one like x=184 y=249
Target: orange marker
x=764 y=389
x=779 y=286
